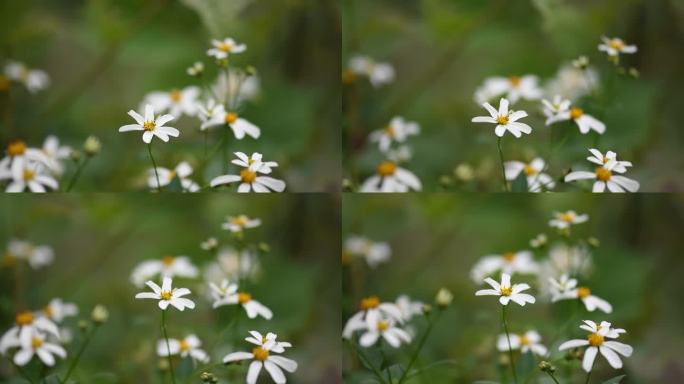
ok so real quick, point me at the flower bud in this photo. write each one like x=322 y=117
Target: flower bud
x=75 y=156
x=83 y=325
x=444 y=298
x=92 y=146
x=464 y=172
x=100 y=314
x=545 y=366
x=264 y=248
x=594 y=242
x=197 y=69
x=209 y=244
x=251 y=71
x=207 y=377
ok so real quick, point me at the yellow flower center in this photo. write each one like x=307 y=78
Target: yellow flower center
x=524 y=340
x=48 y=311
x=260 y=354
x=515 y=80
x=568 y=217
x=225 y=47
x=502 y=119
x=583 y=292
x=383 y=325
x=605 y=159
x=36 y=342
x=244 y=297
x=386 y=168
x=24 y=318
x=389 y=131
x=29 y=175
x=239 y=220
x=167 y=260
x=369 y=302
x=529 y=170
x=149 y=125
x=184 y=346
x=575 y=113
x=603 y=174
x=16 y=148
x=595 y=340
x=506 y=291
x=175 y=96
x=230 y=117
x=247 y=176
x=616 y=44
x=166 y=295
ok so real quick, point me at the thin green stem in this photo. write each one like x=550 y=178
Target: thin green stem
x=553 y=377
x=224 y=141
x=503 y=169
x=154 y=166
x=421 y=343
x=385 y=362
x=367 y=362
x=20 y=370
x=589 y=373
x=168 y=348
x=77 y=174
x=76 y=359
x=508 y=338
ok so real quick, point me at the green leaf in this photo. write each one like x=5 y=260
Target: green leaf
x=520 y=183
x=615 y=380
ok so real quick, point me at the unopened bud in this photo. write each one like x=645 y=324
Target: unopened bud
x=444 y=298
x=92 y=146
x=100 y=314
x=545 y=366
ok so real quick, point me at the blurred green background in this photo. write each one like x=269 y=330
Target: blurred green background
x=98 y=240
x=436 y=241
x=103 y=56
x=443 y=50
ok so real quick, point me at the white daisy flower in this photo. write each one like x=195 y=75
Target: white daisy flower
x=572 y=83
x=378 y=73
x=528 y=341
x=605 y=179
x=36 y=256
x=596 y=342
x=57 y=310
x=209 y=244
x=33 y=176
x=224 y=48
x=508 y=263
x=26 y=325
x=177 y=102
x=539 y=241
x=374 y=252
x=397 y=131
x=239 y=126
x=167 y=266
x=263 y=356
x=196 y=69
x=564 y=259
x=167 y=295
x=584 y=122
x=615 y=46
x=391 y=178
x=513 y=88
x=400 y=154
x=377 y=326
x=150 y=125
x=506 y=291
x=55 y=153
x=563 y=220
x=371 y=306
x=239 y=223
x=228 y=294
x=250 y=180
x=505 y=119
x=553 y=108
x=36 y=344
x=408 y=307
x=236 y=87
x=246 y=161
x=188 y=346
x=537 y=181
x=600 y=159
x=34 y=79
x=232 y=265
x=270 y=338
x=182 y=171
x=566 y=288
x=19 y=156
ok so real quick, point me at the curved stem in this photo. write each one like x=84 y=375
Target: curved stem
x=589 y=374
x=75 y=361
x=503 y=169
x=168 y=348
x=20 y=370
x=363 y=358
x=508 y=338
x=385 y=362
x=418 y=349
x=77 y=174
x=553 y=377
x=154 y=166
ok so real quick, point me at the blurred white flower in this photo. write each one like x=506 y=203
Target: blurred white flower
x=506 y=291
x=232 y=265
x=236 y=87
x=375 y=253
x=57 y=310
x=259 y=339
x=223 y=48
x=239 y=126
x=26 y=326
x=397 y=131
x=228 y=294
x=188 y=346
x=34 y=79
x=239 y=223
x=55 y=154
x=209 y=244
x=378 y=73
x=505 y=119
x=150 y=125
x=250 y=180
x=408 y=307
x=537 y=180
x=539 y=241
x=177 y=102
x=400 y=154
x=377 y=327
x=246 y=161
x=572 y=83
x=36 y=256
x=528 y=341
x=584 y=122
x=566 y=288
x=36 y=344
x=167 y=295
x=196 y=69
x=19 y=156
x=509 y=263
x=182 y=171
x=33 y=176
x=552 y=108
x=615 y=46
x=605 y=179
x=371 y=307
x=596 y=342
x=563 y=220
x=513 y=88
x=391 y=178
x=564 y=259
x=167 y=266
x=262 y=356
x=600 y=159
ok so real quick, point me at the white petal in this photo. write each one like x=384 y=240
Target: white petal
x=589 y=356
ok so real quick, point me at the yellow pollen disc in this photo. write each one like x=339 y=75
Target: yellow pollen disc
x=173 y=174
x=244 y=297
x=383 y=325
x=583 y=292
x=230 y=117
x=369 y=302
x=175 y=96
x=225 y=47
x=529 y=170
x=36 y=342
x=16 y=148
x=167 y=260
x=515 y=80
x=502 y=120
x=29 y=175
x=389 y=131
x=149 y=125
x=348 y=76
x=616 y=44
x=575 y=113
x=595 y=339
x=48 y=311
x=509 y=257
x=239 y=220
x=166 y=295
x=605 y=159
x=524 y=340
x=386 y=168
x=260 y=354
x=506 y=291
x=247 y=176
x=184 y=346
x=603 y=174
x=568 y=217
x=24 y=318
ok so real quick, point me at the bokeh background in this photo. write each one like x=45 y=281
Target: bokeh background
x=436 y=241
x=99 y=239
x=103 y=56
x=443 y=50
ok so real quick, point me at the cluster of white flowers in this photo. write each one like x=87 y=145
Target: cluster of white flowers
x=378 y=73
x=33 y=169
x=34 y=80
x=37 y=256
x=375 y=253
x=383 y=320
x=217 y=106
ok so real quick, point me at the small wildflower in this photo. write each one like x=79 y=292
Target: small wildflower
x=228 y=294
x=375 y=253
x=264 y=355
x=220 y=117
x=34 y=79
x=378 y=73
x=397 y=131
x=167 y=295
x=377 y=327
x=596 y=342
x=537 y=180
x=539 y=241
x=605 y=179
x=167 y=266
x=209 y=244
x=196 y=69
x=512 y=88
x=506 y=291
x=566 y=288
x=224 y=48
x=505 y=119
x=508 y=263
x=188 y=346
x=37 y=344
x=177 y=102
x=584 y=122
x=150 y=125
x=391 y=178
x=370 y=306
x=239 y=223
x=249 y=178
x=528 y=341
x=615 y=46
x=563 y=220
x=182 y=172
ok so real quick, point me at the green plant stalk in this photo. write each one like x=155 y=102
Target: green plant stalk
x=385 y=361
x=552 y=377
x=168 y=347
x=77 y=174
x=503 y=169
x=154 y=166
x=20 y=370
x=421 y=344
x=361 y=356
x=508 y=338
x=76 y=359
x=589 y=373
